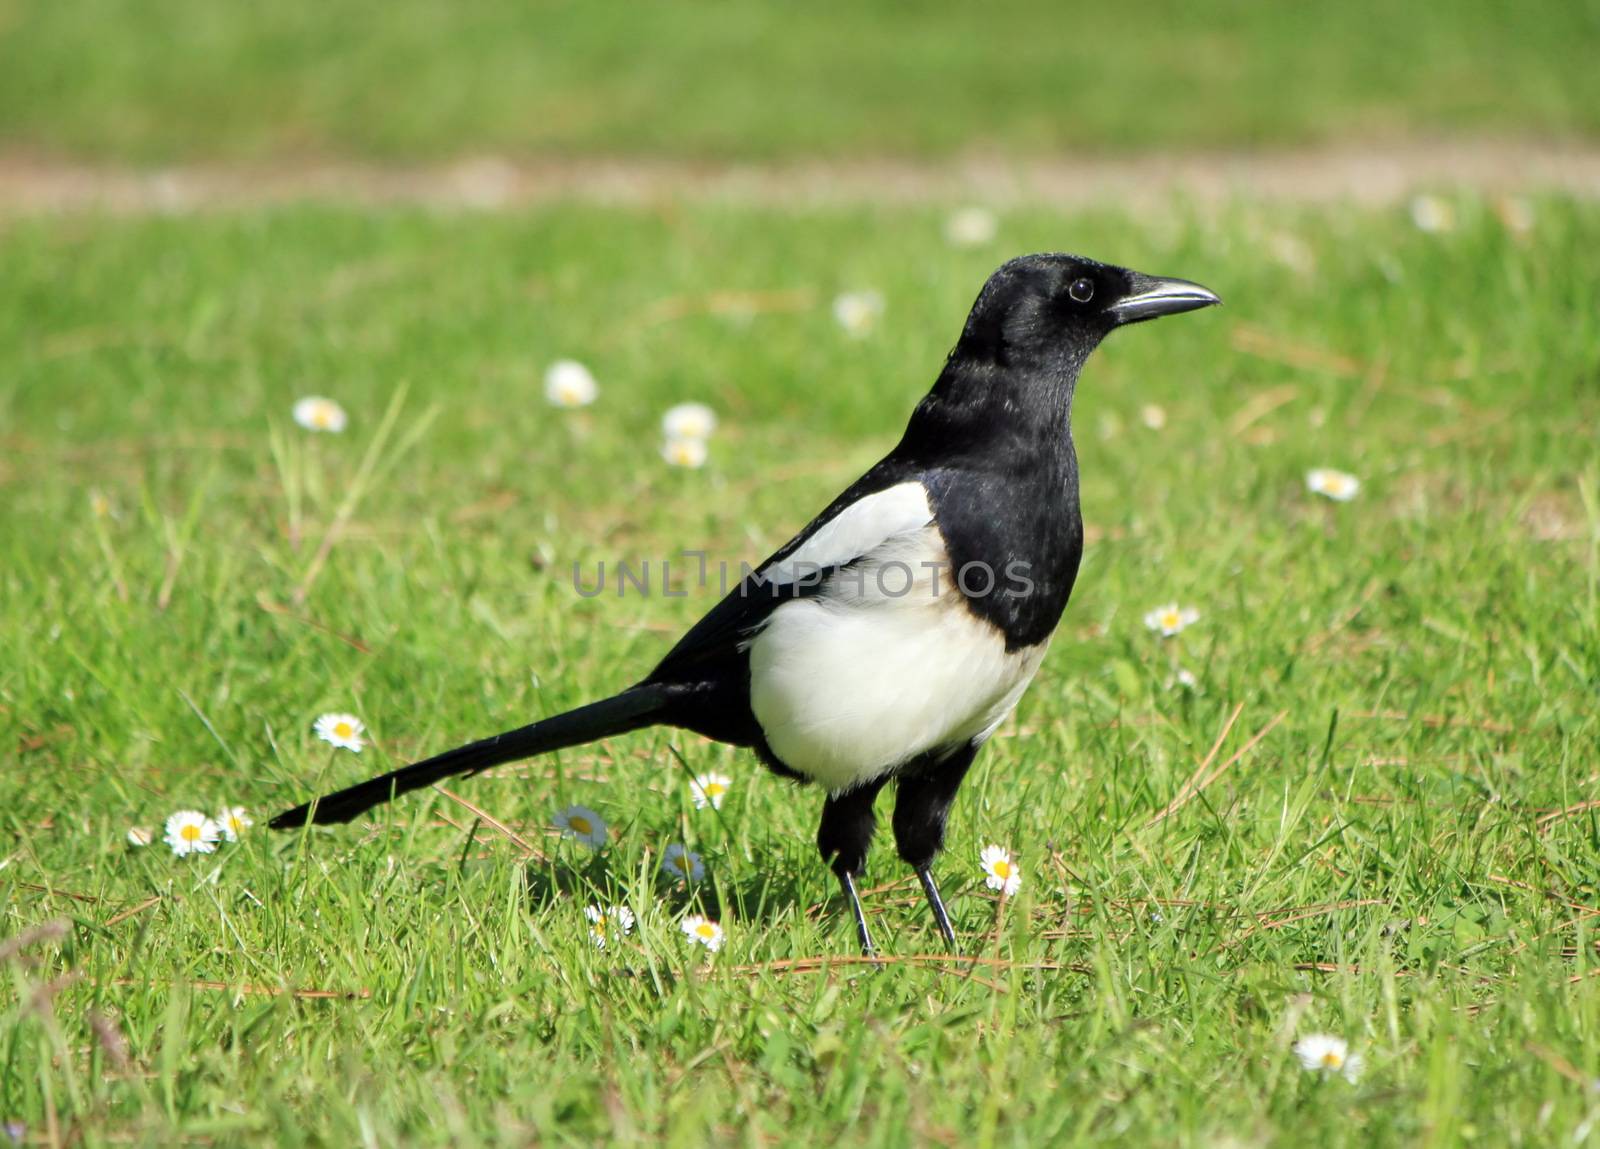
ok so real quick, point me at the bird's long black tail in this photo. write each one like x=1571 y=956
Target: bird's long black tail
x=633 y=708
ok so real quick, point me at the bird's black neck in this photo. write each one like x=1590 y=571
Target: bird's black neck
x=992 y=443
x=988 y=413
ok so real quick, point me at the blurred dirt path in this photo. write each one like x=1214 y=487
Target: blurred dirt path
x=1371 y=175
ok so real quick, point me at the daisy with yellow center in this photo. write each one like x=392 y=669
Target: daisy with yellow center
x=1171 y=618
x=233 y=821
x=341 y=730
x=568 y=383
x=617 y=921
x=1000 y=872
x=971 y=227
x=689 y=421
x=1325 y=1053
x=191 y=832
x=582 y=823
x=1339 y=486
x=709 y=790
x=1153 y=416
x=703 y=931
x=315 y=413
x=685 y=452
x=681 y=863
x=1292 y=252
x=1432 y=214
x=858 y=312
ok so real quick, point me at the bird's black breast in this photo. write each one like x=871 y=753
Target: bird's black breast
x=1014 y=535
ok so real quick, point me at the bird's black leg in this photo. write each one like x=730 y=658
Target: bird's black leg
x=922 y=804
x=843 y=839
x=936 y=903
x=863 y=935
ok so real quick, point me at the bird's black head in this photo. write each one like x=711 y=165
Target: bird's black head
x=1006 y=391
x=1051 y=310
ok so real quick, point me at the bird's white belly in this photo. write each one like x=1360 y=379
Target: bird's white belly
x=853 y=682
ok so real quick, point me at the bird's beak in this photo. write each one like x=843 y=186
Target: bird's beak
x=1152 y=297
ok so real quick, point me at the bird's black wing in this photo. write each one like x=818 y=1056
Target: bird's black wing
x=860 y=518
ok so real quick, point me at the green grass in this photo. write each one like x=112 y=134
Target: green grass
x=1433 y=647
x=164 y=80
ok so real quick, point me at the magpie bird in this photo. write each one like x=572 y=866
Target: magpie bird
x=890 y=637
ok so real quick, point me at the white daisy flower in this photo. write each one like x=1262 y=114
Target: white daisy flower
x=1000 y=872
x=315 y=413
x=678 y=861
x=1291 y=252
x=617 y=921
x=1336 y=485
x=568 y=383
x=1171 y=618
x=1433 y=215
x=703 y=931
x=341 y=730
x=709 y=790
x=858 y=311
x=971 y=227
x=1153 y=415
x=191 y=832
x=582 y=823
x=1186 y=679
x=1325 y=1053
x=685 y=452
x=140 y=836
x=689 y=421
x=234 y=821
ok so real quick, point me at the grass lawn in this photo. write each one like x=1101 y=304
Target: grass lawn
x=164 y=80
x=1386 y=847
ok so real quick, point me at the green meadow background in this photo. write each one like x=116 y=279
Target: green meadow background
x=172 y=80
x=1379 y=795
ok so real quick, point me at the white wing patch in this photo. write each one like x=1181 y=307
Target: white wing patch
x=855 y=531
x=877 y=669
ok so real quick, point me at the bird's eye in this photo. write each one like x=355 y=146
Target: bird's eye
x=1082 y=290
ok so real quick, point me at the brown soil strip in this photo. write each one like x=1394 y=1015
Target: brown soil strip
x=1370 y=175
